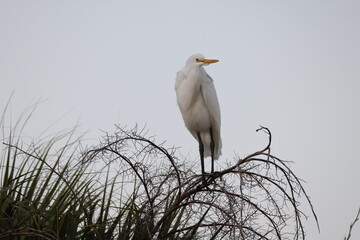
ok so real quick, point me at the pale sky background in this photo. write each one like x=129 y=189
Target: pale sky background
x=293 y=66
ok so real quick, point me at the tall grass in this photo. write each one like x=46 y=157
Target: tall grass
x=46 y=194
x=47 y=191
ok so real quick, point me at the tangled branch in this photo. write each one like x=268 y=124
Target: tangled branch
x=254 y=198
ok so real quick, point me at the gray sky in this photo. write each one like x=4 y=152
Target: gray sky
x=293 y=66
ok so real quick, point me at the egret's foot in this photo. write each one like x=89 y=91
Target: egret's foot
x=203 y=184
x=213 y=176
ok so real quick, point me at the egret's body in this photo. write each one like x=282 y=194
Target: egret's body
x=199 y=106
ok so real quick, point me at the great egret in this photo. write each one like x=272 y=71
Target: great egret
x=199 y=106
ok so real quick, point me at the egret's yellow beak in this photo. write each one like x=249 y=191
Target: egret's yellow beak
x=207 y=61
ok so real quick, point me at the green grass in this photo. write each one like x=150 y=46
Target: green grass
x=41 y=196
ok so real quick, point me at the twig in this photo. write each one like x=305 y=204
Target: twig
x=352 y=225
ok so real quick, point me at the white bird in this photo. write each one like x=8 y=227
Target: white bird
x=199 y=106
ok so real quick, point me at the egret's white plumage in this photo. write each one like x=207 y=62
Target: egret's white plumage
x=198 y=103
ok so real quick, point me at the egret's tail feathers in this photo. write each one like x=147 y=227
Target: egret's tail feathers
x=206 y=139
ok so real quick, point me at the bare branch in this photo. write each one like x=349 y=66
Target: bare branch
x=262 y=204
x=352 y=225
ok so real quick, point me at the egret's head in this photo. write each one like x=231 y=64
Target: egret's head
x=200 y=60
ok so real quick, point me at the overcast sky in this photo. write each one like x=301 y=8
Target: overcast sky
x=293 y=66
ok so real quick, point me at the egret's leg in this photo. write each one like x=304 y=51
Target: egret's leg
x=212 y=148
x=201 y=150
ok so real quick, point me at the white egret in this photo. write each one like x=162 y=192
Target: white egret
x=199 y=106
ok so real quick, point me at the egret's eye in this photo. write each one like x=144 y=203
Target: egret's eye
x=198 y=60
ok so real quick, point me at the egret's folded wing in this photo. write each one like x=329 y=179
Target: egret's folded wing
x=210 y=97
x=212 y=103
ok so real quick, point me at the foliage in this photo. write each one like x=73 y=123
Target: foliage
x=130 y=187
